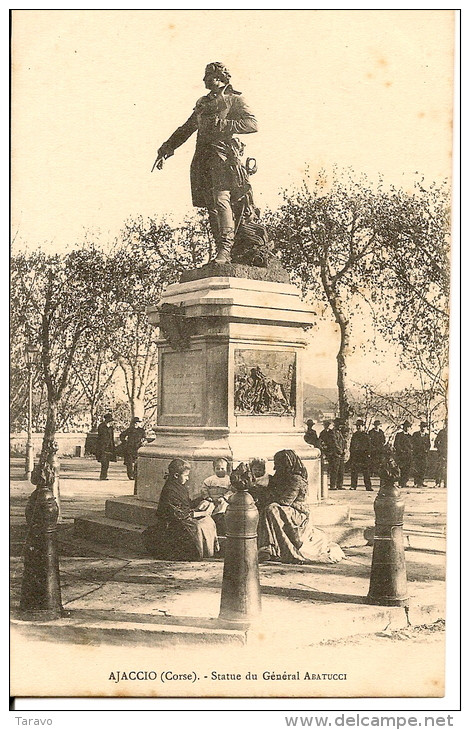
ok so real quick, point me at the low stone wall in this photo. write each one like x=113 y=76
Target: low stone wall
x=70 y=444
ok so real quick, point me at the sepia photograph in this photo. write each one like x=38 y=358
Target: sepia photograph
x=230 y=286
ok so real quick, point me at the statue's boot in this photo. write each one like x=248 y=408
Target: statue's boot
x=224 y=246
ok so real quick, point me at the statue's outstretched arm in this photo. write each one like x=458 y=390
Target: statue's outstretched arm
x=178 y=138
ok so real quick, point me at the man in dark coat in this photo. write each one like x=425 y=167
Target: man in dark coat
x=440 y=444
x=338 y=445
x=219 y=181
x=377 y=443
x=325 y=438
x=325 y=445
x=421 y=445
x=132 y=439
x=359 y=450
x=403 y=449
x=310 y=435
x=105 y=447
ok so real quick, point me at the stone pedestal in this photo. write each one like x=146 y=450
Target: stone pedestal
x=231 y=352
x=230 y=378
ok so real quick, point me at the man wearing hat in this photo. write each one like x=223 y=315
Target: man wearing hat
x=359 y=450
x=219 y=181
x=337 y=446
x=132 y=439
x=421 y=445
x=310 y=435
x=377 y=443
x=325 y=445
x=105 y=447
x=325 y=438
x=440 y=444
x=403 y=448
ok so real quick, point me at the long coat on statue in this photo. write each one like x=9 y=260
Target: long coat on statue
x=216 y=163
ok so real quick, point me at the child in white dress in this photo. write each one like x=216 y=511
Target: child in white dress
x=215 y=494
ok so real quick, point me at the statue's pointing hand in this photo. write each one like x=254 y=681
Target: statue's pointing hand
x=162 y=154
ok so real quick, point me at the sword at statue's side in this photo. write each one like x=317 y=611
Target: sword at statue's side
x=158 y=163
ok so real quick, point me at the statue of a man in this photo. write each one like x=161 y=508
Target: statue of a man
x=219 y=180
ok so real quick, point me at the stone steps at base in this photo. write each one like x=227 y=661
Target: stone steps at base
x=109 y=627
x=131 y=509
x=100 y=528
x=96 y=527
x=351 y=535
x=416 y=538
x=98 y=631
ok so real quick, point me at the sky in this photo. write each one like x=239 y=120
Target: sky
x=96 y=92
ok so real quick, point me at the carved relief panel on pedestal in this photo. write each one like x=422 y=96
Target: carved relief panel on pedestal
x=265 y=383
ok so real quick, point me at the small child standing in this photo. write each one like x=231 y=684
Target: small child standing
x=215 y=493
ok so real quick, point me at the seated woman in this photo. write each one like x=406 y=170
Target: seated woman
x=284 y=533
x=177 y=534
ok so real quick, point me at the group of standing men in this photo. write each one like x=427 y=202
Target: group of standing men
x=131 y=439
x=411 y=453
x=367 y=451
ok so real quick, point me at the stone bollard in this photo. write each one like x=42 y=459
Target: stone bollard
x=40 y=590
x=240 y=600
x=388 y=586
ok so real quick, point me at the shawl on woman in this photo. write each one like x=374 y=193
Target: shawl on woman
x=289 y=485
x=174 y=503
x=176 y=535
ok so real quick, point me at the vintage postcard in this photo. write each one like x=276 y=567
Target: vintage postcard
x=230 y=288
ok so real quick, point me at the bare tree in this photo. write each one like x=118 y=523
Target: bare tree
x=367 y=250
x=57 y=301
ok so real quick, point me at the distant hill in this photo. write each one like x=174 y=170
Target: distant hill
x=319 y=399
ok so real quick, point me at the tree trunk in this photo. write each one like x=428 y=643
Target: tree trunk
x=137 y=407
x=342 y=374
x=93 y=417
x=47 y=471
x=50 y=429
x=334 y=300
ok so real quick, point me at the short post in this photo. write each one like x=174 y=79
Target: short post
x=40 y=590
x=240 y=601
x=388 y=585
x=324 y=476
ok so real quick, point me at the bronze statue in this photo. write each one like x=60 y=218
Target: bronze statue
x=219 y=179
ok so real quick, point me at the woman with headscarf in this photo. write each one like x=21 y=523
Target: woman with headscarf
x=284 y=533
x=177 y=534
x=283 y=510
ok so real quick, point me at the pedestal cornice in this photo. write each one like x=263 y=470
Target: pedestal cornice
x=243 y=300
